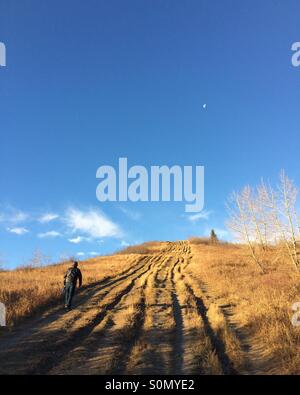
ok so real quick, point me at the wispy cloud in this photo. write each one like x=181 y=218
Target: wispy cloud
x=79 y=239
x=12 y=215
x=49 y=234
x=93 y=253
x=91 y=222
x=131 y=214
x=47 y=217
x=124 y=243
x=202 y=215
x=75 y=240
x=19 y=216
x=18 y=231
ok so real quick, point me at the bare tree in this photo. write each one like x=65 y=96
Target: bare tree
x=281 y=205
x=256 y=212
x=288 y=198
x=266 y=216
x=38 y=259
x=241 y=221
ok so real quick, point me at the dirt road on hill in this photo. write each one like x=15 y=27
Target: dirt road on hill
x=149 y=319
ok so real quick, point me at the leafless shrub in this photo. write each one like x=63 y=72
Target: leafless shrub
x=200 y=240
x=144 y=249
x=266 y=216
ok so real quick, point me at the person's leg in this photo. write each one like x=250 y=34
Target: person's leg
x=71 y=294
x=67 y=295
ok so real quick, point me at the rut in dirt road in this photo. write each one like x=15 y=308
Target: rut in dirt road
x=178 y=319
x=45 y=345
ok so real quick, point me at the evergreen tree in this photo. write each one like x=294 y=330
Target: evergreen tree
x=213 y=237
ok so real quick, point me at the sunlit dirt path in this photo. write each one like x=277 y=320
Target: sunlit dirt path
x=149 y=319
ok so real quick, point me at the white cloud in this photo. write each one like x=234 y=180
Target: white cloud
x=91 y=222
x=202 y=215
x=80 y=254
x=50 y=234
x=76 y=240
x=47 y=217
x=124 y=243
x=93 y=253
x=18 y=231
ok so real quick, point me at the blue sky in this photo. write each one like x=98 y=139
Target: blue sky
x=89 y=82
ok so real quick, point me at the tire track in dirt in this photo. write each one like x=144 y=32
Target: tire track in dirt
x=251 y=355
x=107 y=337
x=216 y=343
x=126 y=353
x=159 y=276
x=256 y=362
x=189 y=349
x=54 y=346
x=152 y=351
x=79 y=336
x=165 y=337
x=178 y=348
x=57 y=313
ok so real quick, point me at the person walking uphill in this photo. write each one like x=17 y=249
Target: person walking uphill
x=70 y=280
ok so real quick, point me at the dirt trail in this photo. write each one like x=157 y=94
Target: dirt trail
x=152 y=318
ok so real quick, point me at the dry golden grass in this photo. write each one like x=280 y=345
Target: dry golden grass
x=261 y=303
x=26 y=291
x=199 y=240
x=248 y=313
x=146 y=248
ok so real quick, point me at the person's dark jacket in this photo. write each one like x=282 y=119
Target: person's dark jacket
x=73 y=275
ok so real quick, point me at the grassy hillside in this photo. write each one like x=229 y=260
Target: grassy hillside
x=201 y=308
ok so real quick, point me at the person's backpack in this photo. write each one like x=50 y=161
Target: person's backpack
x=71 y=275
